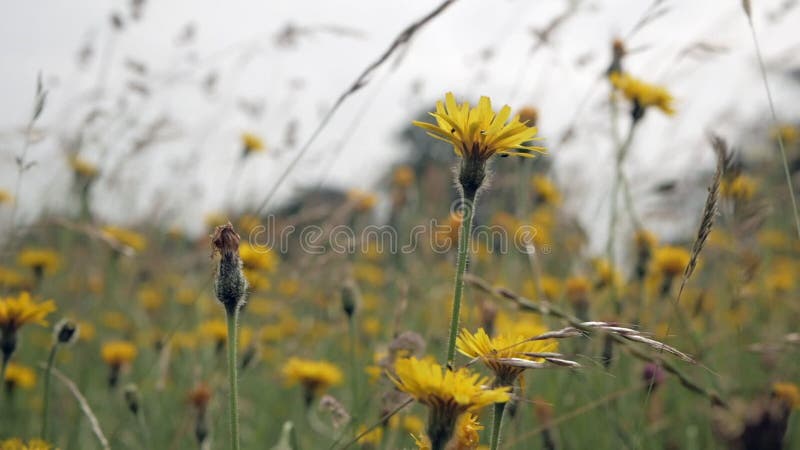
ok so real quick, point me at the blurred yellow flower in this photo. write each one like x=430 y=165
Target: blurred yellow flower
x=19 y=376
x=788 y=392
x=40 y=260
x=83 y=168
x=118 y=353
x=740 y=188
x=478 y=133
x=546 y=191
x=215 y=330
x=20 y=310
x=362 y=200
x=670 y=261
x=10 y=278
x=19 y=444
x=254 y=258
x=314 y=376
x=643 y=94
x=403 y=176
x=126 y=237
x=5 y=197
x=577 y=289
x=252 y=143
x=150 y=298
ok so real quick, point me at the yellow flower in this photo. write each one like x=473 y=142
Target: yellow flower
x=478 y=133
x=467 y=436
x=18 y=311
x=788 y=392
x=506 y=354
x=413 y=424
x=740 y=188
x=216 y=330
x=788 y=133
x=372 y=439
x=5 y=197
x=403 y=177
x=363 y=201
x=456 y=391
x=546 y=190
x=670 y=261
x=289 y=287
x=10 y=278
x=39 y=259
x=252 y=143
x=448 y=394
x=577 y=289
x=19 y=376
x=645 y=239
x=125 y=237
x=643 y=94
x=605 y=274
x=369 y=274
x=83 y=168
x=257 y=258
x=118 y=353
x=19 y=444
x=314 y=376
x=529 y=115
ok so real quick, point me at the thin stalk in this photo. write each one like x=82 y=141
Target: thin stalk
x=45 y=407
x=786 y=172
x=233 y=317
x=497 y=424
x=353 y=361
x=464 y=240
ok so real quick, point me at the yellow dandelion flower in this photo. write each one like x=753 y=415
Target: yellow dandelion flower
x=314 y=376
x=478 y=133
x=643 y=94
x=369 y=274
x=6 y=197
x=403 y=177
x=252 y=143
x=740 y=188
x=448 y=394
x=19 y=444
x=128 y=238
x=372 y=439
x=362 y=200
x=788 y=392
x=605 y=274
x=150 y=298
x=506 y=354
x=10 y=278
x=529 y=115
x=19 y=376
x=83 y=168
x=40 y=260
x=257 y=258
x=18 y=311
x=577 y=289
x=670 y=261
x=546 y=190
x=88 y=331
x=413 y=424
x=118 y=353
x=467 y=433
x=215 y=330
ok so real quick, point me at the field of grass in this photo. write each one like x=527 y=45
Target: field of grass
x=455 y=307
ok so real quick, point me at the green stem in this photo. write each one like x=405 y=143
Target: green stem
x=497 y=423
x=233 y=317
x=464 y=240
x=353 y=362
x=45 y=407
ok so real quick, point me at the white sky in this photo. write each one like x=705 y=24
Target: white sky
x=718 y=90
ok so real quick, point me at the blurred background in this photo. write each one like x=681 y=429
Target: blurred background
x=156 y=96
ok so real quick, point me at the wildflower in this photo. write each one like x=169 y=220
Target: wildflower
x=617 y=53
x=506 y=354
x=786 y=132
x=10 y=278
x=251 y=143
x=39 y=260
x=117 y=354
x=19 y=376
x=362 y=201
x=739 y=188
x=546 y=191
x=199 y=397
x=6 y=197
x=477 y=134
x=19 y=444
x=670 y=261
x=788 y=393
x=605 y=274
x=314 y=376
x=645 y=242
x=128 y=238
x=403 y=177
x=448 y=394
x=529 y=115
x=372 y=439
x=216 y=330
x=467 y=437
x=643 y=95
x=16 y=312
x=66 y=332
x=150 y=298
x=255 y=259
x=83 y=169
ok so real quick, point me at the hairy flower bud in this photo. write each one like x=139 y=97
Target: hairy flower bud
x=230 y=283
x=65 y=332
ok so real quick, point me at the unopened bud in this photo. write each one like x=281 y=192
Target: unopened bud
x=350 y=298
x=65 y=332
x=230 y=283
x=132 y=399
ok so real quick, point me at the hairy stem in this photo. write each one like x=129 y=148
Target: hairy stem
x=497 y=424
x=233 y=317
x=464 y=240
x=46 y=400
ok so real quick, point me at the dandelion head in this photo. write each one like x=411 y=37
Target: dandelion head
x=642 y=94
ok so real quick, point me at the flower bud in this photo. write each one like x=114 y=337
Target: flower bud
x=230 y=283
x=65 y=332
